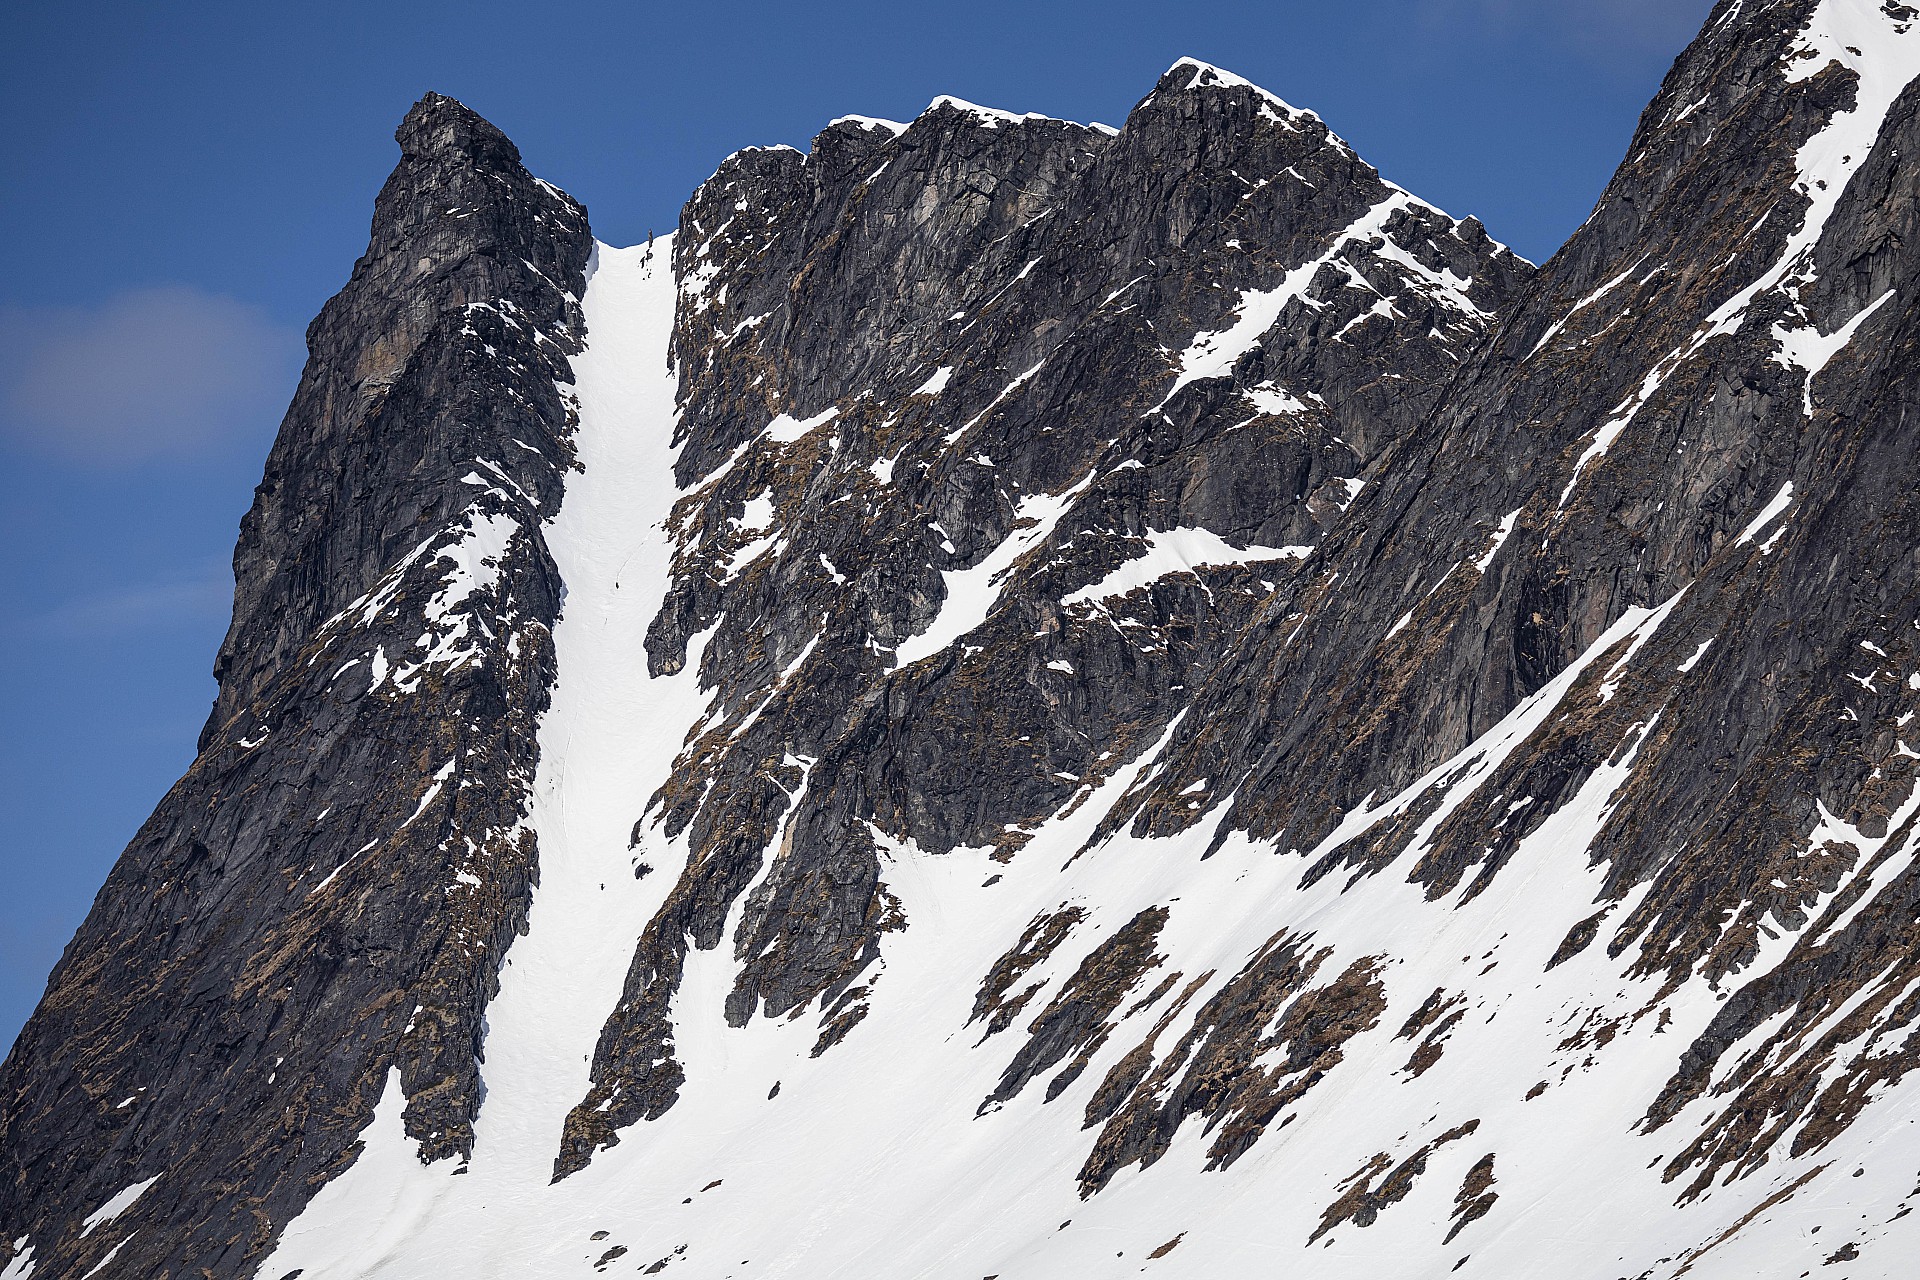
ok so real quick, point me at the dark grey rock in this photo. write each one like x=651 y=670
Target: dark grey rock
x=291 y=924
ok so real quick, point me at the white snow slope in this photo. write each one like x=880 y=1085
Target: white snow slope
x=871 y=1161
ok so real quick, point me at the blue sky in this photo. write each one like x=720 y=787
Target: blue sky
x=186 y=184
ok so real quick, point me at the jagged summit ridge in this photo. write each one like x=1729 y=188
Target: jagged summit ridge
x=1199 y=74
x=1121 y=700
x=239 y=988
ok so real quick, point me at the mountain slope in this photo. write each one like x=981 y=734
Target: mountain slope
x=328 y=893
x=1106 y=700
x=882 y=562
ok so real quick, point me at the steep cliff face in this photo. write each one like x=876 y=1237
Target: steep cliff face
x=1125 y=698
x=328 y=893
x=947 y=384
x=1697 y=418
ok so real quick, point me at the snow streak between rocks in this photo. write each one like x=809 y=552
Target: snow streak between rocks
x=608 y=738
x=871 y=1161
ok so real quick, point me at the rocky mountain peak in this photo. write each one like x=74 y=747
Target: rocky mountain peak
x=1190 y=75
x=887 y=334
x=459 y=225
x=441 y=127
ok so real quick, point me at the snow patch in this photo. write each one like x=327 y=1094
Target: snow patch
x=119 y=1203
x=972 y=593
x=1698 y=654
x=870 y=122
x=1775 y=505
x=112 y=1253
x=1212 y=355
x=1500 y=536
x=785 y=430
x=1177 y=551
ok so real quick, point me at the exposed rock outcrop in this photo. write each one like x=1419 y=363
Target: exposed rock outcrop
x=327 y=896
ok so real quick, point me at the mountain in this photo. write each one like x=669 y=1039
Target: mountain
x=1022 y=699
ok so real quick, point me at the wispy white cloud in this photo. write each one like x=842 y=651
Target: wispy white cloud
x=149 y=373
x=130 y=608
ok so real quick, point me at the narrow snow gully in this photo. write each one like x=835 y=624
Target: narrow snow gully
x=607 y=740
